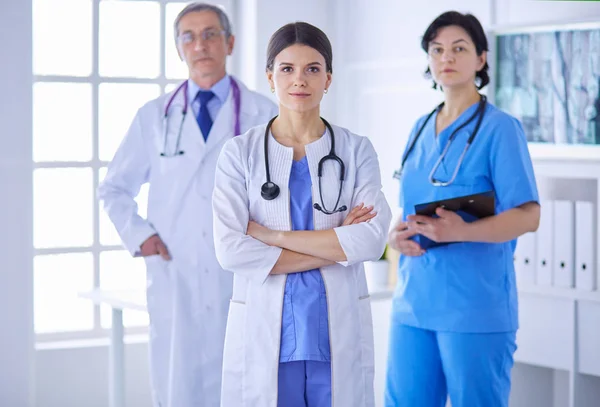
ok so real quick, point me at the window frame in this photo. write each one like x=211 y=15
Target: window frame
x=94 y=79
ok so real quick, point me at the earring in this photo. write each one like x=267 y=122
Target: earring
x=326 y=90
x=272 y=90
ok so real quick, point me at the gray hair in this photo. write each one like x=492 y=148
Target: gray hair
x=195 y=7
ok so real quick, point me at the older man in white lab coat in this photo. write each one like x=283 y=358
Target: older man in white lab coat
x=188 y=293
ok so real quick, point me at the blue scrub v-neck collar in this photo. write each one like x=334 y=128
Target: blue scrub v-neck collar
x=301 y=161
x=440 y=140
x=300 y=166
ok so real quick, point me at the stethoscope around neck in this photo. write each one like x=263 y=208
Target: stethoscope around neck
x=184 y=88
x=270 y=190
x=479 y=113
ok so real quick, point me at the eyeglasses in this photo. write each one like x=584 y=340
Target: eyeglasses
x=209 y=35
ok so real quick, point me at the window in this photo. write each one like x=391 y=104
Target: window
x=93 y=68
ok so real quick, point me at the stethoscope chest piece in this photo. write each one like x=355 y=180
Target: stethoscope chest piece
x=269 y=191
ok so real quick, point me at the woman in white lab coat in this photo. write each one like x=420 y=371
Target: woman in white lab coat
x=290 y=224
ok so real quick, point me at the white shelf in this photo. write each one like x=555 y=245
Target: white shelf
x=558 y=326
x=564 y=152
x=562 y=293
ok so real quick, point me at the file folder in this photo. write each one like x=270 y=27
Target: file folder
x=564 y=244
x=585 y=246
x=525 y=259
x=545 y=244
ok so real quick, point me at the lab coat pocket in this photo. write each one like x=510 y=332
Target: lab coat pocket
x=176 y=167
x=234 y=367
x=288 y=328
x=155 y=264
x=158 y=289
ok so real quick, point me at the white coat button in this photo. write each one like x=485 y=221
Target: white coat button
x=206 y=271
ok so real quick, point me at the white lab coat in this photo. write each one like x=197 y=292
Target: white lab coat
x=187 y=297
x=252 y=340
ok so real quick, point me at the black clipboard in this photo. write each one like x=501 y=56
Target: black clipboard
x=469 y=207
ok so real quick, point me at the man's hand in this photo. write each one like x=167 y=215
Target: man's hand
x=154 y=245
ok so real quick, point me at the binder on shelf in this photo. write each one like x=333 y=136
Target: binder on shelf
x=544 y=243
x=564 y=244
x=525 y=262
x=585 y=246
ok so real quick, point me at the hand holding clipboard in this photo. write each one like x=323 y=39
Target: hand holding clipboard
x=468 y=207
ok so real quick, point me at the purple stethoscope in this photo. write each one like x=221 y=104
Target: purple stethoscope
x=184 y=87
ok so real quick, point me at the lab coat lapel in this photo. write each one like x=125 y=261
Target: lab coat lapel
x=249 y=110
x=192 y=133
x=191 y=143
x=223 y=125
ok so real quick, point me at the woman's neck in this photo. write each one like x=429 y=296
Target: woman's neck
x=292 y=128
x=457 y=101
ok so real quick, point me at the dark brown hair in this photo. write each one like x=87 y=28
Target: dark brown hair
x=472 y=26
x=299 y=33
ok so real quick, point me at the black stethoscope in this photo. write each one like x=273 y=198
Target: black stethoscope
x=270 y=190
x=479 y=113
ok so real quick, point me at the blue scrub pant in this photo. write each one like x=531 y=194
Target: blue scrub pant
x=304 y=383
x=424 y=367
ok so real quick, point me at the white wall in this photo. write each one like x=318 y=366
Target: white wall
x=16 y=290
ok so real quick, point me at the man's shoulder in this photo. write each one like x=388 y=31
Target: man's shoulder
x=155 y=105
x=262 y=102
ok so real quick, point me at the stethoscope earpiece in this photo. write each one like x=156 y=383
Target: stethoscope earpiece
x=269 y=191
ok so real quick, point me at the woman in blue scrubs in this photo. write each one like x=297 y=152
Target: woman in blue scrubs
x=454 y=316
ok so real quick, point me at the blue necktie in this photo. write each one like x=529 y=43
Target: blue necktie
x=203 y=118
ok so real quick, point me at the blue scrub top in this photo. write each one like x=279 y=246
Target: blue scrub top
x=465 y=287
x=304 y=325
